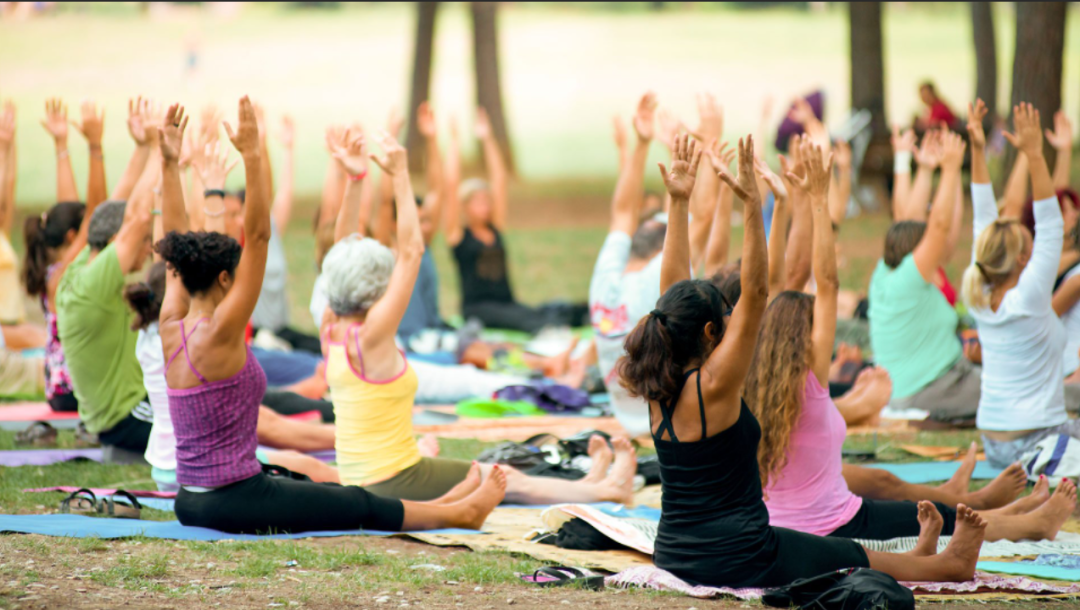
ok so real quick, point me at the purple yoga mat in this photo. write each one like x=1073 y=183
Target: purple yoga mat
x=44 y=457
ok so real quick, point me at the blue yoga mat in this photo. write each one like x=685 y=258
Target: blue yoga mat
x=80 y=526
x=928 y=472
x=1030 y=569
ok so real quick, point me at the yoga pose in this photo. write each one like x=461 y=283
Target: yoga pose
x=803 y=432
x=690 y=365
x=214 y=382
x=1008 y=290
x=372 y=384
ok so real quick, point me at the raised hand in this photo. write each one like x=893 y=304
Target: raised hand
x=618 y=132
x=1028 y=131
x=171 y=133
x=952 y=151
x=287 y=135
x=929 y=153
x=394 y=122
x=260 y=120
x=246 y=136
x=711 y=117
x=213 y=166
x=777 y=185
x=334 y=133
x=394 y=160
x=902 y=141
x=137 y=121
x=842 y=154
x=684 y=165
x=351 y=153
x=645 y=117
x=720 y=156
x=976 y=115
x=1062 y=136
x=483 y=124
x=669 y=128
x=210 y=118
x=745 y=186
x=7 y=126
x=92 y=125
x=818 y=171
x=56 y=121
x=425 y=120
x=788 y=168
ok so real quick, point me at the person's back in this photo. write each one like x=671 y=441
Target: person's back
x=94 y=324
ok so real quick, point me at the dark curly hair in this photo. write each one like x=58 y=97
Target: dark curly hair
x=145 y=297
x=199 y=257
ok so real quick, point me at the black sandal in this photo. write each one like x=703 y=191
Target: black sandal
x=560 y=576
x=82 y=502
x=111 y=506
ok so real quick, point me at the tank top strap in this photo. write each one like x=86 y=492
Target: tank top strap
x=184 y=336
x=359 y=353
x=701 y=406
x=667 y=412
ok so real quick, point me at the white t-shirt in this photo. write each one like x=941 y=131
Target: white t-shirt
x=1023 y=377
x=319 y=302
x=617 y=301
x=1071 y=319
x=161 y=449
x=272 y=308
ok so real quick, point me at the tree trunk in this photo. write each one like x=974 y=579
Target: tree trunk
x=488 y=90
x=982 y=28
x=421 y=79
x=1040 y=45
x=868 y=64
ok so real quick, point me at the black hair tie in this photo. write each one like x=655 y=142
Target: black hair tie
x=660 y=316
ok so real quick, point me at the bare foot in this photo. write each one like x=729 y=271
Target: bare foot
x=462 y=489
x=959 y=558
x=960 y=482
x=429 y=445
x=601 y=456
x=473 y=510
x=1038 y=496
x=930 y=524
x=1053 y=514
x=1001 y=490
x=620 y=478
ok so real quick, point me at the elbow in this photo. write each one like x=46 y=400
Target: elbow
x=828 y=282
x=258 y=234
x=412 y=250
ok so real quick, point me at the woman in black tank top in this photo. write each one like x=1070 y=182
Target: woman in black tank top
x=689 y=363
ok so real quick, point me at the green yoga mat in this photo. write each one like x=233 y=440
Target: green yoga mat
x=488 y=408
x=1030 y=569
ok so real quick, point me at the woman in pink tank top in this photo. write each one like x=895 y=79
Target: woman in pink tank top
x=215 y=388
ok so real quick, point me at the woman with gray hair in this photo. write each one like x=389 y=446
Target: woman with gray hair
x=372 y=384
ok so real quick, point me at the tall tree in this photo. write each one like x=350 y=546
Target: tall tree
x=982 y=29
x=868 y=63
x=1037 y=65
x=421 y=79
x=486 y=56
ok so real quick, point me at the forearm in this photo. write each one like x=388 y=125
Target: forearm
x=1061 y=168
x=384 y=215
x=777 y=246
x=824 y=254
x=943 y=209
x=499 y=176
x=629 y=191
x=1042 y=185
x=65 y=177
x=332 y=191
x=980 y=172
x=195 y=200
x=839 y=195
x=675 y=265
x=703 y=210
x=283 y=200
x=256 y=201
x=799 y=244
x=409 y=238
x=267 y=168
x=919 y=198
x=7 y=187
x=716 y=254
x=754 y=279
x=136 y=164
x=96 y=192
x=173 y=214
x=1016 y=188
x=348 y=219
x=5 y=205
x=434 y=170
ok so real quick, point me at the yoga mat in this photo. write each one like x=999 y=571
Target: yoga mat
x=138 y=493
x=928 y=472
x=44 y=457
x=1024 y=568
x=18 y=416
x=80 y=526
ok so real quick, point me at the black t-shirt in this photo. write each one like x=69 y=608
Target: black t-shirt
x=483 y=271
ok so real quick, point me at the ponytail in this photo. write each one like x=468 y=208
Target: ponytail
x=648 y=369
x=145 y=297
x=996 y=252
x=42 y=234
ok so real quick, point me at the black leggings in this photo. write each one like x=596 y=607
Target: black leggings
x=298 y=340
x=288 y=403
x=516 y=316
x=802 y=555
x=271 y=503
x=887 y=519
x=64 y=403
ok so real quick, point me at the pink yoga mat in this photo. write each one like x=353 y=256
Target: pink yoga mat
x=33 y=411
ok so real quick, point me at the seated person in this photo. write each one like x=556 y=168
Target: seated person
x=689 y=364
x=20 y=376
x=803 y=432
x=480 y=251
x=211 y=289
x=938 y=114
x=373 y=385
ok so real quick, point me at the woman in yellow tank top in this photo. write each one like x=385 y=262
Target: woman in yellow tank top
x=372 y=385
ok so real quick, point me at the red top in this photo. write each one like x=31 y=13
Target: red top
x=941 y=114
x=946 y=288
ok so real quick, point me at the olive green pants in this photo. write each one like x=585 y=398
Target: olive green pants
x=428 y=479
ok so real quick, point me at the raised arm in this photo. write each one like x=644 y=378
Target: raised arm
x=1016 y=189
x=139 y=128
x=629 y=190
x=675 y=264
x=381 y=324
x=980 y=172
x=333 y=181
x=171 y=137
x=135 y=230
x=903 y=143
x=716 y=252
x=91 y=128
x=778 y=231
x=928 y=158
x=668 y=127
x=621 y=147
x=7 y=153
x=797 y=257
x=840 y=184
x=234 y=312
x=56 y=123
x=213 y=168
x=704 y=198
x=1067 y=295
x=1061 y=138
x=452 y=207
x=351 y=155
x=283 y=199
x=723 y=374
x=498 y=174
x=932 y=249
x=436 y=186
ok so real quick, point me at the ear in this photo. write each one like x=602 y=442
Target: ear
x=224 y=280
x=71 y=235
x=710 y=332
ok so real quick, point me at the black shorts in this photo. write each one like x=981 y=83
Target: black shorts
x=265 y=504
x=133 y=432
x=64 y=403
x=887 y=519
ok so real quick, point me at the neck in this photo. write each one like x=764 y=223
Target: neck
x=203 y=306
x=352 y=319
x=482 y=225
x=1001 y=289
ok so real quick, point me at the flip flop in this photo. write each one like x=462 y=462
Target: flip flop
x=560 y=576
x=39 y=434
x=111 y=506
x=81 y=502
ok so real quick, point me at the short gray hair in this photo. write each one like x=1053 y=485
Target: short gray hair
x=105 y=224
x=356 y=272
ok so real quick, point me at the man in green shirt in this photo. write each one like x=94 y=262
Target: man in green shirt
x=94 y=324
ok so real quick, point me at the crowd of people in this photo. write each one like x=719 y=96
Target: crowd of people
x=737 y=370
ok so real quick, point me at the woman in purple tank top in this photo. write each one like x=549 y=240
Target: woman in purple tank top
x=216 y=384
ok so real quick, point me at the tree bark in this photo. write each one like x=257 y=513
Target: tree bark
x=488 y=89
x=868 y=64
x=1037 y=66
x=421 y=80
x=982 y=28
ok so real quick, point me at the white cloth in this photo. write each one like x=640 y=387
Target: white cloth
x=1071 y=320
x=319 y=302
x=617 y=301
x=272 y=308
x=161 y=449
x=1023 y=380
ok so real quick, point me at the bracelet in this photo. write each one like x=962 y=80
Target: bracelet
x=902 y=162
x=358 y=177
x=155 y=212
x=208 y=193
x=216 y=214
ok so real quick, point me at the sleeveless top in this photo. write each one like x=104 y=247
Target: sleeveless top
x=215 y=422
x=483 y=270
x=714 y=527
x=810 y=494
x=57 y=378
x=374 y=438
